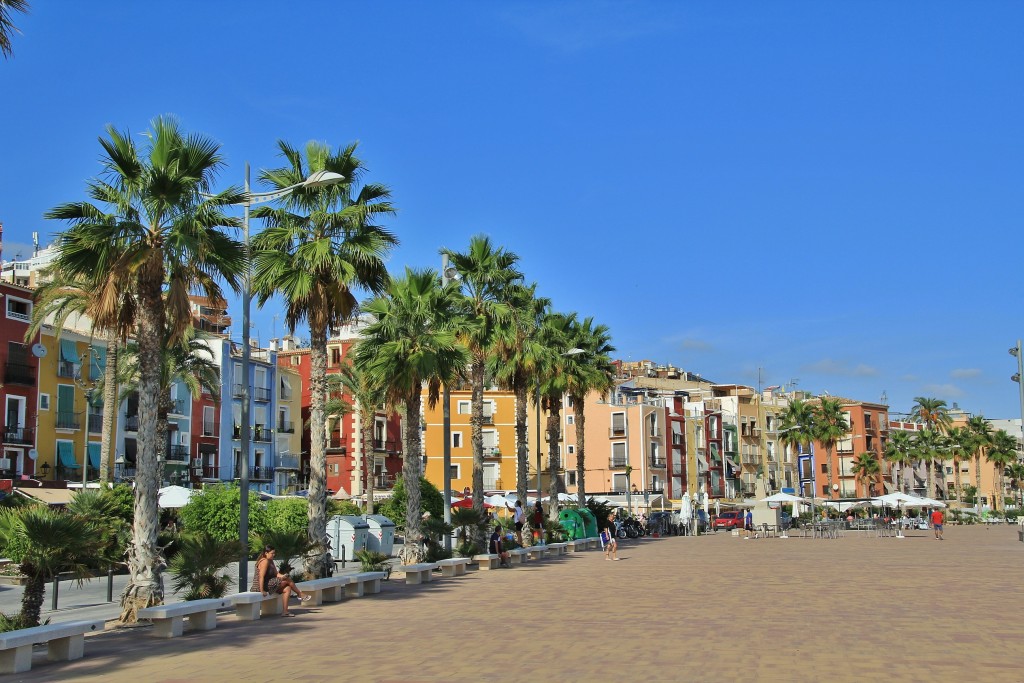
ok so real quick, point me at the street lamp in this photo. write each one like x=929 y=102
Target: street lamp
x=448 y=274
x=88 y=386
x=1019 y=353
x=317 y=179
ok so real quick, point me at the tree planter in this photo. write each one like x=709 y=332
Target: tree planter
x=7 y=580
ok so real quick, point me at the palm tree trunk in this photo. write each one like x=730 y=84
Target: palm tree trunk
x=367 y=456
x=578 y=419
x=957 y=480
x=977 y=480
x=318 y=560
x=828 y=451
x=929 y=469
x=32 y=597
x=412 y=551
x=109 y=409
x=553 y=430
x=145 y=563
x=477 y=431
x=522 y=446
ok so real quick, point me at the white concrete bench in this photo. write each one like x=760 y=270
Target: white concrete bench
x=578 y=545
x=251 y=605
x=536 y=552
x=558 y=548
x=487 y=560
x=64 y=642
x=456 y=566
x=168 y=619
x=518 y=555
x=366 y=582
x=324 y=590
x=593 y=543
x=417 y=573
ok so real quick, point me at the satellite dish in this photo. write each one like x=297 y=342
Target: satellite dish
x=38 y=350
x=33 y=454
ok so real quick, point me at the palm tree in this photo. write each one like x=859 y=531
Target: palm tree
x=958 y=440
x=319 y=246
x=1002 y=454
x=62 y=297
x=514 y=362
x=797 y=427
x=485 y=272
x=412 y=342
x=867 y=469
x=934 y=415
x=981 y=440
x=196 y=565
x=1016 y=473
x=159 y=240
x=554 y=335
x=927 y=444
x=46 y=542
x=7 y=27
x=367 y=398
x=830 y=426
x=590 y=370
x=898 y=453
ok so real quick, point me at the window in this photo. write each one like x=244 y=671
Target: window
x=453 y=471
x=570 y=449
x=824 y=489
x=571 y=478
x=19 y=309
x=619 y=454
x=296 y=361
x=335 y=356
x=44 y=401
x=618 y=423
x=570 y=419
x=464 y=408
x=824 y=469
x=655 y=483
x=66 y=406
x=335 y=468
x=456 y=439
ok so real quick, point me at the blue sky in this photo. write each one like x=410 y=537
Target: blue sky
x=831 y=192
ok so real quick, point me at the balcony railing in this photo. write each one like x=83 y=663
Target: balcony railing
x=336 y=443
x=236 y=390
x=236 y=432
x=261 y=394
x=657 y=461
x=261 y=473
x=131 y=423
x=389 y=445
x=618 y=462
x=177 y=453
x=179 y=407
x=209 y=428
x=286 y=427
x=287 y=462
x=20 y=435
x=384 y=481
x=66 y=368
x=616 y=432
x=67 y=421
x=95 y=423
x=16 y=373
x=492 y=452
x=206 y=471
x=263 y=434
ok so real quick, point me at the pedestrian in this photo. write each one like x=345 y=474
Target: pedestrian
x=611 y=545
x=538 y=523
x=497 y=548
x=937 y=520
x=267 y=580
x=518 y=516
x=748 y=524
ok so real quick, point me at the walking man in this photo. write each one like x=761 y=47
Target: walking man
x=937 y=520
x=518 y=516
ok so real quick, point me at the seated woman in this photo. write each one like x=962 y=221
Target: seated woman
x=267 y=579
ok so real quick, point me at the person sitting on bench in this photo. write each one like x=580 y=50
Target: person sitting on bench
x=497 y=549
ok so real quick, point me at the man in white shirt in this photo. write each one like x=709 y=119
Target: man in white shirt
x=518 y=516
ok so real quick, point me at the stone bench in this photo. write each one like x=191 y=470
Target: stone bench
x=64 y=642
x=456 y=566
x=558 y=548
x=578 y=545
x=324 y=590
x=252 y=605
x=593 y=543
x=417 y=573
x=168 y=619
x=366 y=582
x=537 y=552
x=487 y=560
x=518 y=555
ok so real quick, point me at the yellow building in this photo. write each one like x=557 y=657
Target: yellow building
x=499 y=434
x=70 y=369
x=288 y=429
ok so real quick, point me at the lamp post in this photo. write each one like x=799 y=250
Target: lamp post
x=1019 y=379
x=317 y=179
x=88 y=386
x=448 y=274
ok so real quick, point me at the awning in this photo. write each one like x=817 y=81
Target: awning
x=68 y=351
x=94 y=455
x=66 y=455
x=48 y=496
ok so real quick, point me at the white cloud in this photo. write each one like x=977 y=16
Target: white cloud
x=692 y=344
x=965 y=373
x=829 y=366
x=942 y=390
x=576 y=26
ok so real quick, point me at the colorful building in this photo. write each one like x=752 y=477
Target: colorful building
x=18 y=390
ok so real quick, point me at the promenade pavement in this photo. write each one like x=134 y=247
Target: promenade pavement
x=711 y=608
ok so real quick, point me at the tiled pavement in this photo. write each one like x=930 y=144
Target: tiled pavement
x=850 y=609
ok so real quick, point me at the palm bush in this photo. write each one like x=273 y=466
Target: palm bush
x=196 y=565
x=372 y=560
x=435 y=530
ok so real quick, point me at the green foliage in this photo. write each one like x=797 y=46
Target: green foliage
x=970 y=494
x=288 y=545
x=196 y=565
x=124 y=498
x=111 y=532
x=600 y=510
x=371 y=560
x=343 y=507
x=393 y=508
x=467 y=549
x=215 y=511
x=467 y=523
x=13 y=622
x=554 y=532
x=288 y=514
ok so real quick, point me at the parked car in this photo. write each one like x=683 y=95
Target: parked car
x=729 y=520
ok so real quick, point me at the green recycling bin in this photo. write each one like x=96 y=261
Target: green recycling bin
x=589 y=522
x=573 y=524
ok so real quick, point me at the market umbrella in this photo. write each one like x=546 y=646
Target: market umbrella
x=468 y=503
x=174 y=496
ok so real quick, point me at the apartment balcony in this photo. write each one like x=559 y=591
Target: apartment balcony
x=561 y=436
x=336 y=443
x=288 y=462
x=385 y=445
x=16 y=373
x=20 y=435
x=206 y=472
x=68 y=421
x=261 y=394
x=384 y=482
x=617 y=432
x=654 y=433
x=286 y=427
x=750 y=459
x=66 y=368
x=262 y=434
x=488 y=417
x=178 y=406
x=658 y=462
x=177 y=453
x=492 y=453
x=261 y=473
x=131 y=423
x=95 y=423
x=209 y=428
x=617 y=463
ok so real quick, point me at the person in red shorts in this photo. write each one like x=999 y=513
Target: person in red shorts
x=937 y=521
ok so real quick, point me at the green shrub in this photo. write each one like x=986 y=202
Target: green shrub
x=393 y=508
x=196 y=565
x=342 y=507
x=215 y=511
x=371 y=560
x=467 y=549
x=288 y=514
